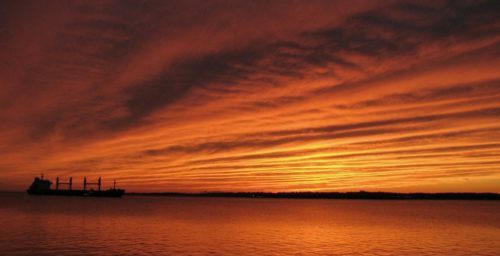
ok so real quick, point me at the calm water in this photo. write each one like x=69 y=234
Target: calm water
x=225 y=226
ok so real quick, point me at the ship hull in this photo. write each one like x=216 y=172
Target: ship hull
x=86 y=193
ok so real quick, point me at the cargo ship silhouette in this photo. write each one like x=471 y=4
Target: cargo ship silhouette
x=41 y=186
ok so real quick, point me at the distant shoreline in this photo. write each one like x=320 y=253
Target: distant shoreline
x=364 y=195
x=333 y=195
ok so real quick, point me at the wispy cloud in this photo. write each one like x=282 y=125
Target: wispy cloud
x=237 y=95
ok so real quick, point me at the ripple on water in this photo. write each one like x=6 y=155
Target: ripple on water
x=224 y=226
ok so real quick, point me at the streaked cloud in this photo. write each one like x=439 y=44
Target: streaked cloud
x=252 y=95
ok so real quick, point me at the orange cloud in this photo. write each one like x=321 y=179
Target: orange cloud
x=240 y=96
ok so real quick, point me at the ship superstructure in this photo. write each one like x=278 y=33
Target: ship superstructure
x=41 y=186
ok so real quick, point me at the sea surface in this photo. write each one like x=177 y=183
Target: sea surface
x=134 y=225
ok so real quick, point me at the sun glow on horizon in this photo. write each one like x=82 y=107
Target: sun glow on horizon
x=304 y=96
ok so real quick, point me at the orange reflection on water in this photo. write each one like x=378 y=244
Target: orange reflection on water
x=200 y=226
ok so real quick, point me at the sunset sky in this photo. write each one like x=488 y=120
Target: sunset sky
x=230 y=95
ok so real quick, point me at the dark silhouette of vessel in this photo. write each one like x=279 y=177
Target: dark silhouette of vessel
x=41 y=186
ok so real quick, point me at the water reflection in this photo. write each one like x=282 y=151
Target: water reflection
x=201 y=226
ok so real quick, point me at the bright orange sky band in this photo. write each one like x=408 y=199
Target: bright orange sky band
x=197 y=96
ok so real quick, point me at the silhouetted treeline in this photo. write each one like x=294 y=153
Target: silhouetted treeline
x=336 y=195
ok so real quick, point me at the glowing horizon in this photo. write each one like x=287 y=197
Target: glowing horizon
x=252 y=95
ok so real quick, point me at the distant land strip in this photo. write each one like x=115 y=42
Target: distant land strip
x=334 y=195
